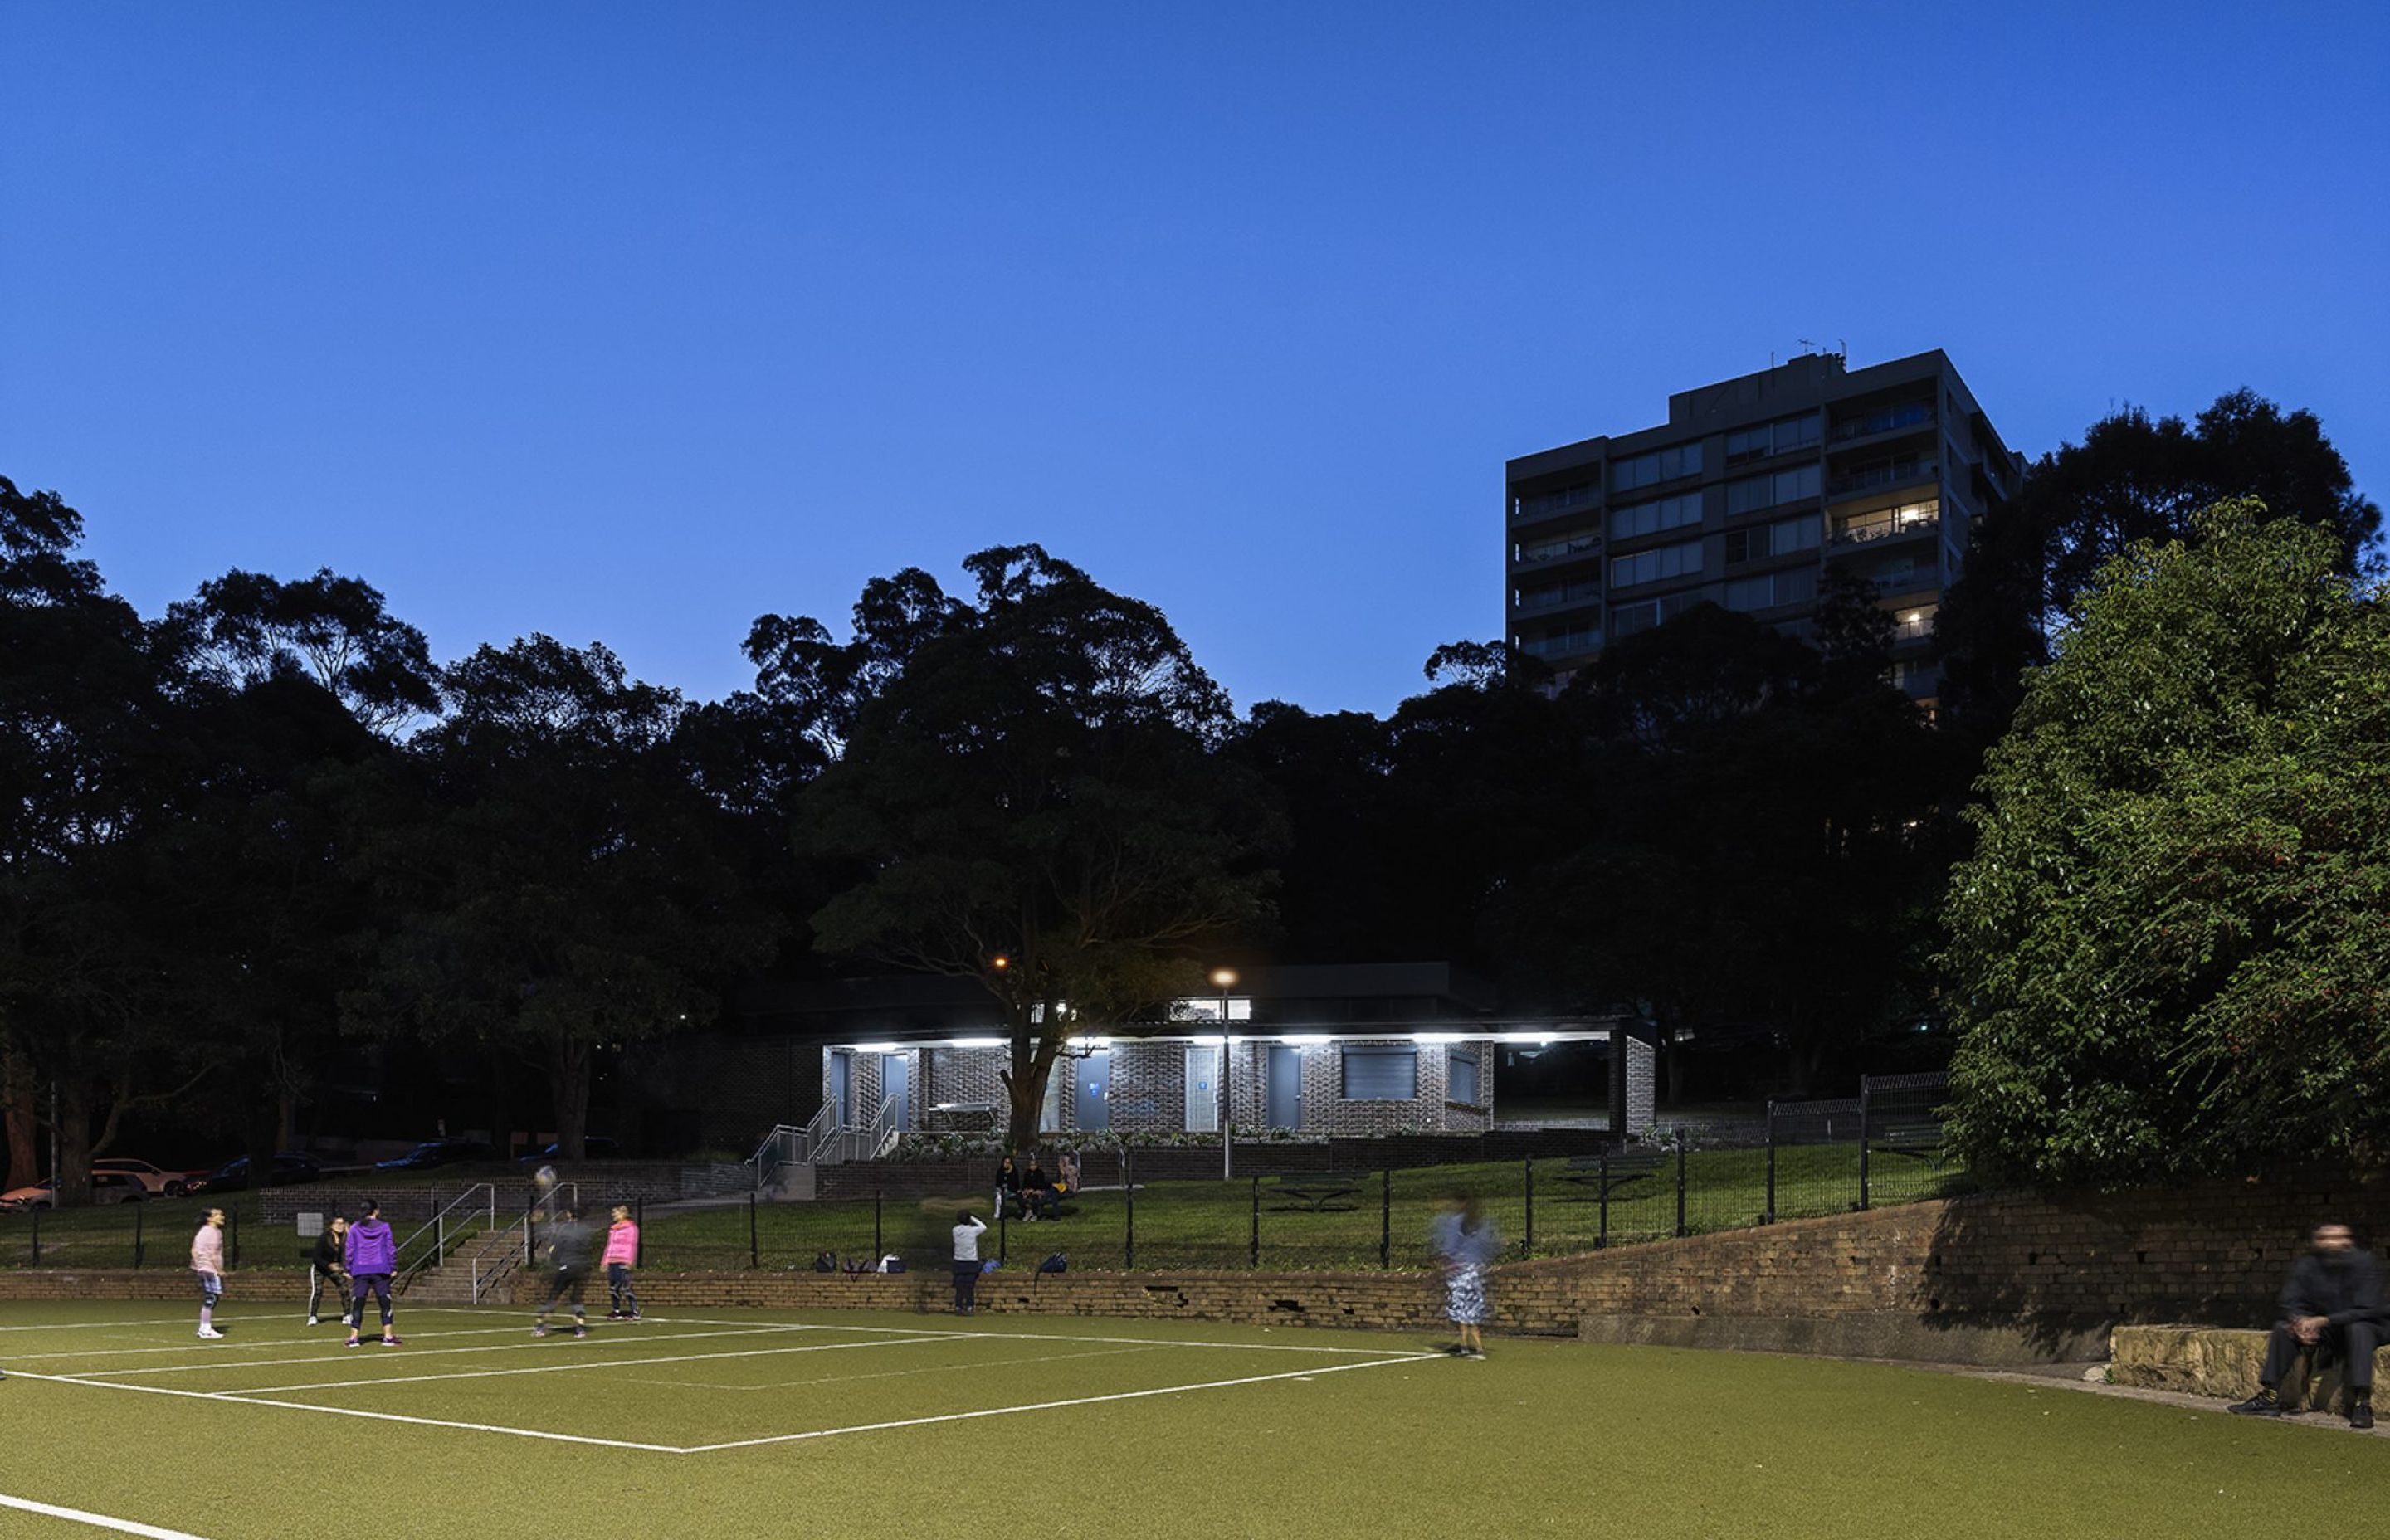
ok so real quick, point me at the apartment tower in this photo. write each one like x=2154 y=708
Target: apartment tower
x=1745 y=495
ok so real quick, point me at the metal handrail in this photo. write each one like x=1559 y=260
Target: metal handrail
x=480 y=1195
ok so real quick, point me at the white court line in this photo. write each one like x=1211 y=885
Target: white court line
x=352 y=1411
x=1078 y=1337
x=737 y=1444
x=243 y=1339
x=557 y=1369
x=187 y=1319
x=373 y=1345
x=890 y=1374
x=98 y=1520
x=1052 y=1406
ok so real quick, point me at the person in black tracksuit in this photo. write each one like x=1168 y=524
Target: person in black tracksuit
x=2333 y=1305
x=329 y=1268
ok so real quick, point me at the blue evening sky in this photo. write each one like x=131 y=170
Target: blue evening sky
x=630 y=322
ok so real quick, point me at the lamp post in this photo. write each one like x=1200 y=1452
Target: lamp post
x=1225 y=979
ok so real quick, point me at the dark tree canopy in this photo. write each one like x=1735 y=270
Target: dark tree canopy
x=1023 y=776
x=2133 y=478
x=2168 y=951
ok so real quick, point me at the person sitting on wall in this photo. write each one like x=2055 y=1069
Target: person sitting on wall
x=2332 y=1305
x=1046 y=1203
x=1007 y=1186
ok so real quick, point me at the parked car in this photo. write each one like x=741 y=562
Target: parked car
x=440 y=1152
x=157 y=1180
x=599 y=1147
x=107 y=1187
x=233 y=1176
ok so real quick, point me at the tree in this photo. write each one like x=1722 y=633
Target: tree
x=2132 y=479
x=562 y=887
x=294 y=690
x=94 y=773
x=2169 y=952
x=1024 y=786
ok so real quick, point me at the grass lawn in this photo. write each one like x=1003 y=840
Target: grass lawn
x=1211 y=1223
x=754 y=1423
x=1199 y=1224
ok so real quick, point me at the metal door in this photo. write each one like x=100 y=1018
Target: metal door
x=1285 y=1088
x=1095 y=1091
x=894 y=1085
x=1202 y=1088
x=841 y=1088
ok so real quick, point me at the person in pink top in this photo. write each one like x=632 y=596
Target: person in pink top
x=621 y=1255
x=207 y=1260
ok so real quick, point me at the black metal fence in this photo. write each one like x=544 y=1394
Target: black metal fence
x=1815 y=1158
x=1883 y=1146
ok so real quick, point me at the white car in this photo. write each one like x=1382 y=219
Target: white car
x=156 y=1180
x=107 y=1187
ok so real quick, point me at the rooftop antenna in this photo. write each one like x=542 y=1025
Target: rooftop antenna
x=1806 y=346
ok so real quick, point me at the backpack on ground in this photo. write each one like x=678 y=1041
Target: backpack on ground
x=825 y=1262
x=1057 y=1263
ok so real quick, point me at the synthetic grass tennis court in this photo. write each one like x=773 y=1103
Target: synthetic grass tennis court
x=724 y=1423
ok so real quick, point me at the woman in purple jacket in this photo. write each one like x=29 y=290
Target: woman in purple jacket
x=372 y=1257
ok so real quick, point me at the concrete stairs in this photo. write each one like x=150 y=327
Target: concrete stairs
x=494 y=1256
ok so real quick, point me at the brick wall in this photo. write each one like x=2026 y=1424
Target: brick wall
x=1380 y=1300
x=967 y=1076
x=1642 y=1079
x=2047 y=1273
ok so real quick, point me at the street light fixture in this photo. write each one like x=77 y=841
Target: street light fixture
x=1224 y=980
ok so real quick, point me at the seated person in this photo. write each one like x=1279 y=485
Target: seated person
x=1007 y=1186
x=1037 y=1192
x=2333 y=1304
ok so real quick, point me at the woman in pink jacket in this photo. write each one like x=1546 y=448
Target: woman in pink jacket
x=621 y=1255
x=207 y=1260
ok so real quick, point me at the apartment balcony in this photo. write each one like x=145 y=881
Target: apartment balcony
x=1536 y=506
x=1881 y=477
x=1539 y=604
x=1553 y=555
x=1907 y=417
x=1893 y=524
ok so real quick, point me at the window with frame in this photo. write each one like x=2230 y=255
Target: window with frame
x=1625 y=619
x=1659 y=464
x=1380 y=1074
x=1799 y=484
x=1666 y=513
x=1682 y=559
x=1780 y=437
x=1781 y=538
x=1794 y=585
x=1460 y=1076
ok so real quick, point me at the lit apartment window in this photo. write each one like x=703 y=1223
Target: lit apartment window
x=1682 y=559
x=1780 y=437
x=1667 y=513
x=1797 y=485
x=1798 y=586
x=1661 y=465
x=1781 y=538
x=1884 y=523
